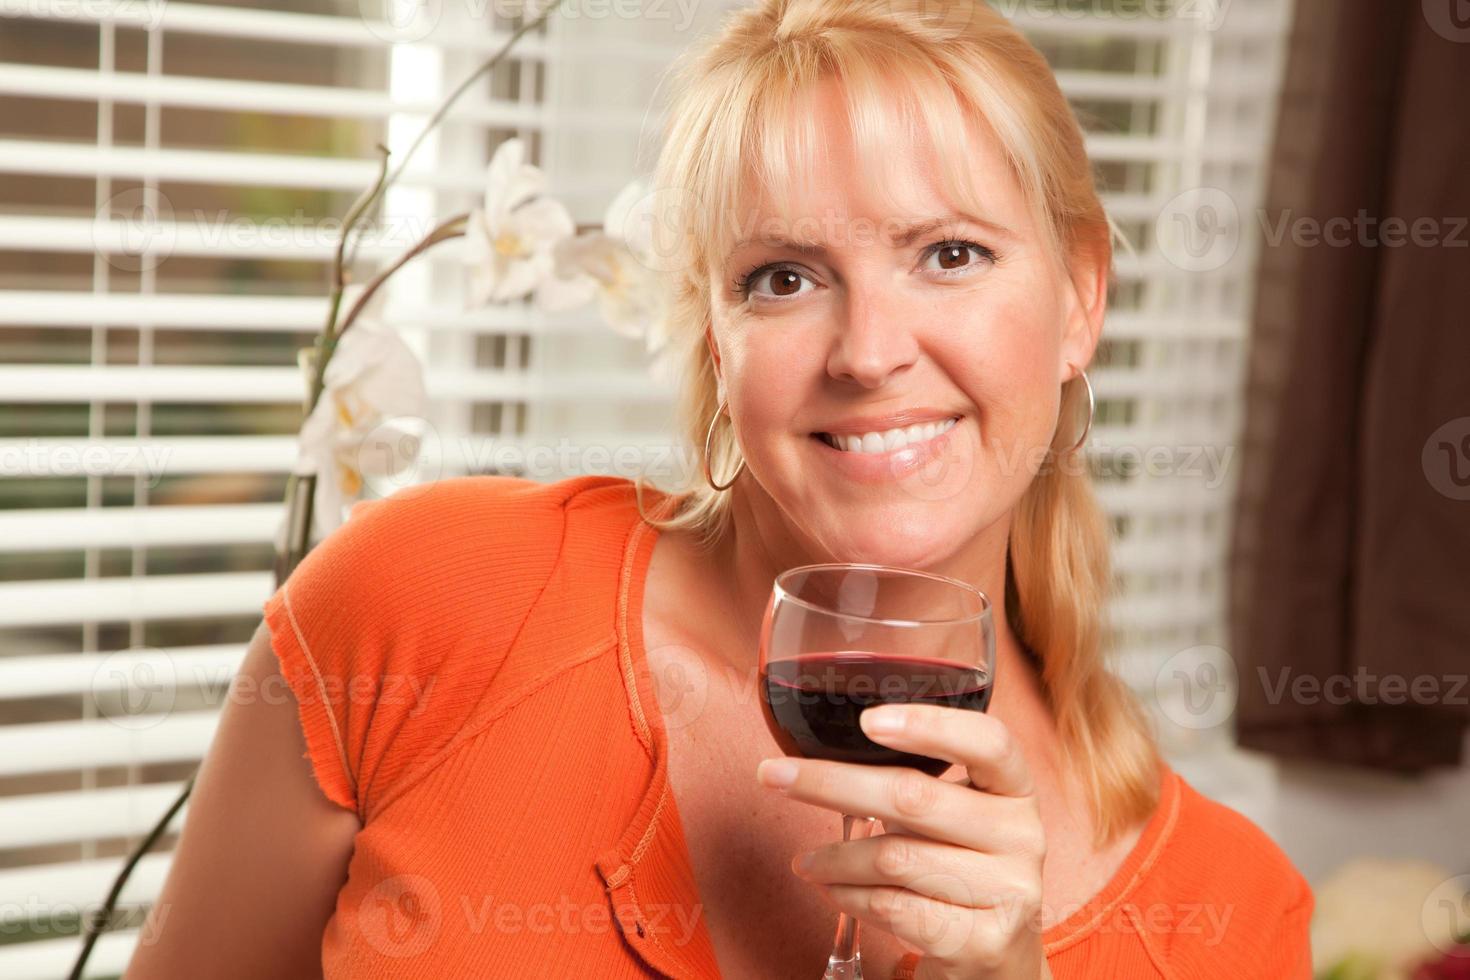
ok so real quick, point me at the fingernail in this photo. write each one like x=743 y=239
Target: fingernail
x=881 y=721
x=804 y=862
x=776 y=772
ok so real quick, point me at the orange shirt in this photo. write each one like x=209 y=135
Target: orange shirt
x=467 y=658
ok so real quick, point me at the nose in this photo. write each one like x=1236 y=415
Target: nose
x=876 y=341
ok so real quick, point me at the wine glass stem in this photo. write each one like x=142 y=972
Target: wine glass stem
x=845 y=963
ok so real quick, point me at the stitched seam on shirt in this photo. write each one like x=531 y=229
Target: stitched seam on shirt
x=561 y=547
x=652 y=826
x=1300 y=906
x=1148 y=947
x=625 y=649
x=461 y=736
x=630 y=677
x=1143 y=868
x=630 y=552
x=467 y=735
x=321 y=688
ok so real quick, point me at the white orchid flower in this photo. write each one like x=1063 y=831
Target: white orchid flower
x=616 y=266
x=511 y=239
x=373 y=383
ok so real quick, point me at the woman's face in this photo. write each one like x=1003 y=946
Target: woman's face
x=877 y=340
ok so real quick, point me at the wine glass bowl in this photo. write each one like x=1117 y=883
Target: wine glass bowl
x=839 y=638
x=813 y=701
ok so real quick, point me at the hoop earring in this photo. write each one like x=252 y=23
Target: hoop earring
x=1091 y=410
x=708 y=437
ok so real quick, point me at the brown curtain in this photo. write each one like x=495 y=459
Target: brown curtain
x=1351 y=552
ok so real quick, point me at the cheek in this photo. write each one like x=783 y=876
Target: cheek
x=768 y=373
x=1012 y=344
x=1004 y=359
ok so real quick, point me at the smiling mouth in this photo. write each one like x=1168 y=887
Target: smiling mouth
x=887 y=440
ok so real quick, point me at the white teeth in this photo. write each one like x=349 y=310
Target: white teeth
x=889 y=440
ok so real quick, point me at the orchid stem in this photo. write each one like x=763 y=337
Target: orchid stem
x=454 y=96
x=442 y=232
x=346 y=254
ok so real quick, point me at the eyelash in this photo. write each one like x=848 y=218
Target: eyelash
x=741 y=283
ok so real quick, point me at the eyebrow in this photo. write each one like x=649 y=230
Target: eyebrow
x=903 y=236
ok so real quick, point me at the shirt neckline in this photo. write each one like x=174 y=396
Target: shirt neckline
x=659 y=799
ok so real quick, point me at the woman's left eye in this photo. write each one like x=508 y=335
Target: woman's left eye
x=954 y=257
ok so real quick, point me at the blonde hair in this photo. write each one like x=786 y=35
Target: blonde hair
x=735 y=113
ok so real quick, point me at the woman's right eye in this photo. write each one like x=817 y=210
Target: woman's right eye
x=785 y=282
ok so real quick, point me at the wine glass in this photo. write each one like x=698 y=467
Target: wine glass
x=839 y=637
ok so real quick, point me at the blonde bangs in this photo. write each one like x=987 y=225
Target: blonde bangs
x=761 y=146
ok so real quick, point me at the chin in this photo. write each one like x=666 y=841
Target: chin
x=909 y=541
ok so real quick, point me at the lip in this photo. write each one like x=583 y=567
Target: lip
x=895 y=464
x=860 y=424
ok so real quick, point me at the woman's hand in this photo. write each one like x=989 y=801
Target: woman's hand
x=957 y=875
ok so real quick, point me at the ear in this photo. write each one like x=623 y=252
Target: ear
x=1086 y=305
x=714 y=352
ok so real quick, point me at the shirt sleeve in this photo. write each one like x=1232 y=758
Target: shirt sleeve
x=1289 y=951
x=1268 y=905
x=1225 y=900
x=392 y=629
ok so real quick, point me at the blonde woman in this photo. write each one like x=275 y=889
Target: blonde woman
x=532 y=743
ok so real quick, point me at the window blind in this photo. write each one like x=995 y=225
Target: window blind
x=170 y=179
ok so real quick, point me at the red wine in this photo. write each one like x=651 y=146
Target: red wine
x=812 y=702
